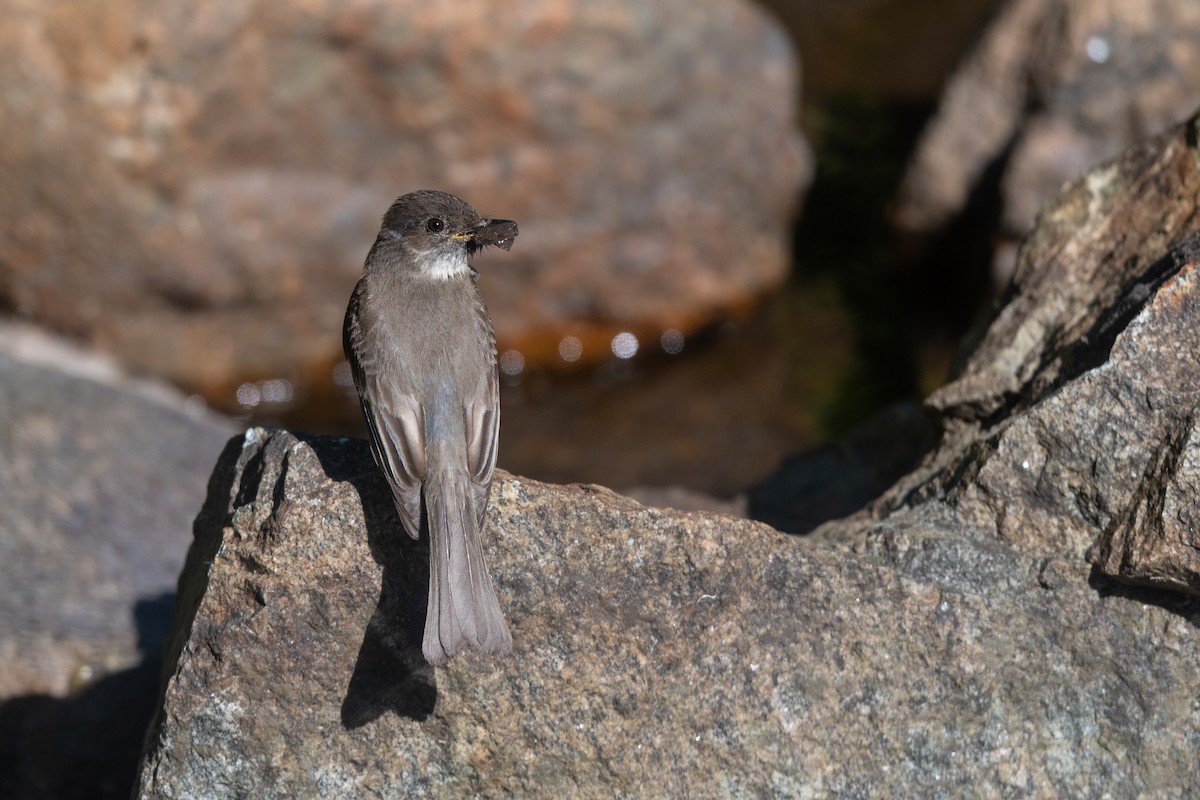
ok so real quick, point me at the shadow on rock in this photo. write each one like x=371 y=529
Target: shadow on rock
x=87 y=745
x=390 y=673
x=833 y=481
x=1185 y=606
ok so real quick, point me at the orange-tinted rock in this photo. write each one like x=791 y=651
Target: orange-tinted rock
x=195 y=191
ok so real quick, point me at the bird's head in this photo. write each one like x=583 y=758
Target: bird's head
x=438 y=232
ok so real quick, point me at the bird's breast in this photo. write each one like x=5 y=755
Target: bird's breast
x=433 y=333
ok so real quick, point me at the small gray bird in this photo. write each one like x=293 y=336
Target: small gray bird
x=423 y=354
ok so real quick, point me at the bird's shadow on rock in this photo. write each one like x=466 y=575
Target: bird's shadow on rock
x=391 y=673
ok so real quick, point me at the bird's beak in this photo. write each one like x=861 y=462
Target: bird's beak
x=496 y=232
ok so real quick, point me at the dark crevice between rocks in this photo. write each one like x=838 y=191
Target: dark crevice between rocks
x=842 y=237
x=935 y=286
x=1117 y=550
x=390 y=673
x=962 y=257
x=1185 y=606
x=834 y=481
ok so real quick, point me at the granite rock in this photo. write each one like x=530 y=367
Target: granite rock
x=1053 y=88
x=656 y=653
x=1069 y=431
x=1002 y=622
x=100 y=476
x=179 y=183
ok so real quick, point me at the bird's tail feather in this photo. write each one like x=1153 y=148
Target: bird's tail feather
x=463 y=607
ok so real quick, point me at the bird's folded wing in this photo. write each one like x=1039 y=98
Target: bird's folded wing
x=393 y=416
x=482 y=418
x=397 y=442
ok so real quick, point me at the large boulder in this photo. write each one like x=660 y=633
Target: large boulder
x=176 y=184
x=1070 y=429
x=100 y=476
x=951 y=639
x=659 y=652
x=1053 y=88
x=656 y=653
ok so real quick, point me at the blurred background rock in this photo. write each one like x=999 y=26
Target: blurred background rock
x=745 y=230
x=194 y=192
x=1052 y=88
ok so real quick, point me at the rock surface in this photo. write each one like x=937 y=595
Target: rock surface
x=656 y=653
x=177 y=184
x=950 y=640
x=1053 y=88
x=1070 y=429
x=100 y=476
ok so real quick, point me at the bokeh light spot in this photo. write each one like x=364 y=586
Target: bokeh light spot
x=194 y=405
x=249 y=395
x=672 y=341
x=512 y=362
x=278 y=391
x=1098 y=49
x=342 y=376
x=570 y=349
x=624 y=345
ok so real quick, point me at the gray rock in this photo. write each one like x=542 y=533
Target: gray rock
x=682 y=498
x=656 y=653
x=177 y=185
x=1069 y=430
x=1053 y=88
x=951 y=640
x=1155 y=539
x=100 y=476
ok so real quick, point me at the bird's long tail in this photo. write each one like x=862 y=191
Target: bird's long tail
x=463 y=607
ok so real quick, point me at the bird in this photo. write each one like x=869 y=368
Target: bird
x=422 y=352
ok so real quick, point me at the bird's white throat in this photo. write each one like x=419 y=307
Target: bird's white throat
x=447 y=264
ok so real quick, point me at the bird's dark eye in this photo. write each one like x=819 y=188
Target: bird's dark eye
x=435 y=225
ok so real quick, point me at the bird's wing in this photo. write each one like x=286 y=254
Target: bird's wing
x=394 y=418
x=483 y=432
